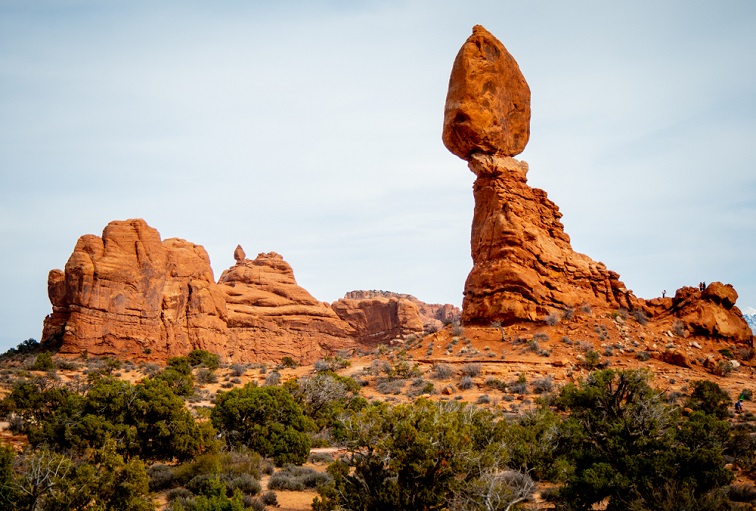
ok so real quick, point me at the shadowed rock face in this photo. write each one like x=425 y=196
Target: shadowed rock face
x=488 y=103
x=380 y=316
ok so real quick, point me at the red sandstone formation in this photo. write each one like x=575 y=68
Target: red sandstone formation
x=270 y=316
x=488 y=103
x=380 y=316
x=130 y=295
x=709 y=313
x=523 y=264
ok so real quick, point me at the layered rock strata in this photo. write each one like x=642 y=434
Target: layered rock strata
x=270 y=316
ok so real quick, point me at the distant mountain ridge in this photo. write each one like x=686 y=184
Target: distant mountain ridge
x=749 y=313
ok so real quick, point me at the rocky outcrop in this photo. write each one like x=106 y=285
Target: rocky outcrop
x=488 y=103
x=381 y=316
x=709 y=313
x=270 y=316
x=130 y=295
x=523 y=264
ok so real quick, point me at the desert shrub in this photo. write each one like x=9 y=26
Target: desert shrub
x=643 y=356
x=542 y=385
x=568 y=313
x=552 y=319
x=43 y=362
x=136 y=415
x=634 y=451
x=205 y=376
x=741 y=493
x=203 y=358
x=745 y=353
x=727 y=353
x=441 y=371
x=297 y=479
x=288 y=362
x=457 y=329
x=150 y=369
x=390 y=386
x=746 y=394
x=177 y=376
x=331 y=364
x=396 y=465
x=265 y=419
x=403 y=369
x=238 y=369
x=709 y=398
x=272 y=378
x=269 y=498
x=483 y=399
x=465 y=383
x=495 y=383
x=591 y=359
x=640 y=316
x=320 y=457
x=245 y=483
x=679 y=328
x=161 y=477
x=178 y=493
x=472 y=370
x=722 y=368
x=519 y=386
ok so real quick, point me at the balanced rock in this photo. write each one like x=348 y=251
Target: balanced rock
x=488 y=103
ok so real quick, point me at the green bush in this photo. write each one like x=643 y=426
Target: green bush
x=43 y=362
x=631 y=450
x=265 y=419
x=203 y=358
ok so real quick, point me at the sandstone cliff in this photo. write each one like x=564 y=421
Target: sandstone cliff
x=130 y=295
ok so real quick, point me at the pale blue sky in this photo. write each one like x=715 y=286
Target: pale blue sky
x=313 y=129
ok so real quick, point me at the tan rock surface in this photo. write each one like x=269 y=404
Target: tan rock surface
x=270 y=316
x=488 y=103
